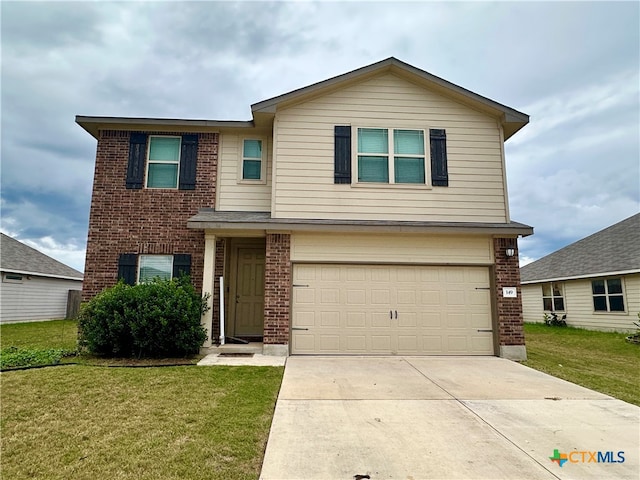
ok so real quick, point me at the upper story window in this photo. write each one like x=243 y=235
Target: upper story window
x=163 y=162
x=252 y=163
x=390 y=155
x=553 y=297
x=608 y=295
x=166 y=161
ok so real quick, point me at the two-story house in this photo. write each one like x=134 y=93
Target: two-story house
x=365 y=214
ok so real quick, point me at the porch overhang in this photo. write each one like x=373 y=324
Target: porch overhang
x=259 y=223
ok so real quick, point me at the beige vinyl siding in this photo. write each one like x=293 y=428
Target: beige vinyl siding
x=232 y=193
x=36 y=298
x=391 y=248
x=304 y=157
x=579 y=305
x=532 y=311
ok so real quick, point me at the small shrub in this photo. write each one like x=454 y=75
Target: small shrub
x=15 y=357
x=552 y=320
x=156 y=319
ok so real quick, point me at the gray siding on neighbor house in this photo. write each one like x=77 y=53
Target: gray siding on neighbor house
x=35 y=298
x=578 y=300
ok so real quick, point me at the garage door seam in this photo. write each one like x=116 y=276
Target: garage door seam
x=465 y=406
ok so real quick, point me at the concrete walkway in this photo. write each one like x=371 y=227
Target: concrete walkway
x=444 y=418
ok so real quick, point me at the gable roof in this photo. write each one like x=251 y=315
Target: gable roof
x=264 y=111
x=512 y=120
x=614 y=250
x=17 y=257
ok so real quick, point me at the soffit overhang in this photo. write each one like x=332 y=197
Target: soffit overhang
x=226 y=223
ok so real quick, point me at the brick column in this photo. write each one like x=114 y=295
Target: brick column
x=508 y=309
x=277 y=294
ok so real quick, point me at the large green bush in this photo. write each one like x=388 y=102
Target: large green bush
x=156 y=319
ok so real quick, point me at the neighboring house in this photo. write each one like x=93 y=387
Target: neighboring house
x=595 y=281
x=365 y=214
x=34 y=286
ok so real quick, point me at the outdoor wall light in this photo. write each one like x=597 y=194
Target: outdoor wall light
x=510 y=251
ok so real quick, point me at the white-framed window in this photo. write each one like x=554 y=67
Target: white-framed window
x=391 y=155
x=155 y=266
x=163 y=161
x=553 y=297
x=608 y=295
x=12 y=278
x=252 y=164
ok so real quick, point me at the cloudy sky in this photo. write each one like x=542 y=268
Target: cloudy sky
x=573 y=67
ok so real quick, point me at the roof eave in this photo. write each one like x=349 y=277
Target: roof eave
x=93 y=125
x=512 y=119
x=581 y=277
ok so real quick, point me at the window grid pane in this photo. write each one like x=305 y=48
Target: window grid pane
x=408 y=142
x=616 y=303
x=373 y=140
x=155 y=266
x=552 y=297
x=409 y=170
x=252 y=149
x=251 y=169
x=162 y=175
x=373 y=169
x=164 y=149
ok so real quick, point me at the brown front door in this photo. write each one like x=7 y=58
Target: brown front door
x=248 y=317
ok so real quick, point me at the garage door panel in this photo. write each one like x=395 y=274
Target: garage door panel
x=380 y=344
x=356 y=343
x=346 y=309
x=356 y=320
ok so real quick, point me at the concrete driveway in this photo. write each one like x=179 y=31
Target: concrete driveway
x=444 y=418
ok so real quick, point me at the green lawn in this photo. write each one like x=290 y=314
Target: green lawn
x=86 y=421
x=602 y=361
x=49 y=334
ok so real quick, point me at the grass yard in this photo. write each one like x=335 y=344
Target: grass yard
x=602 y=361
x=87 y=422
x=49 y=334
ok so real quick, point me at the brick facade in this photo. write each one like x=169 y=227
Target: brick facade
x=508 y=310
x=143 y=221
x=277 y=291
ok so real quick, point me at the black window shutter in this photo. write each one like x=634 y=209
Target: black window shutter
x=188 y=161
x=181 y=264
x=342 y=154
x=128 y=268
x=137 y=159
x=439 y=174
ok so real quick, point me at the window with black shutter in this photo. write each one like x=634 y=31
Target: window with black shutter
x=342 y=154
x=137 y=159
x=181 y=264
x=439 y=172
x=188 y=162
x=128 y=268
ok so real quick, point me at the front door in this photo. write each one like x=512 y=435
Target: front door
x=249 y=292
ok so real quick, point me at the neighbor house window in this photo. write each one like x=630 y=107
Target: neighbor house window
x=394 y=156
x=155 y=266
x=163 y=163
x=552 y=297
x=12 y=278
x=608 y=295
x=252 y=159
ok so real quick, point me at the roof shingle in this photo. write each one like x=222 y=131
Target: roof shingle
x=612 y=250
x=17 y=257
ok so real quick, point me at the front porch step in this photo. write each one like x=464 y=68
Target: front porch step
x=252 y=347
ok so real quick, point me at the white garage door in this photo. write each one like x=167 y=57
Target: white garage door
x=404 y=310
